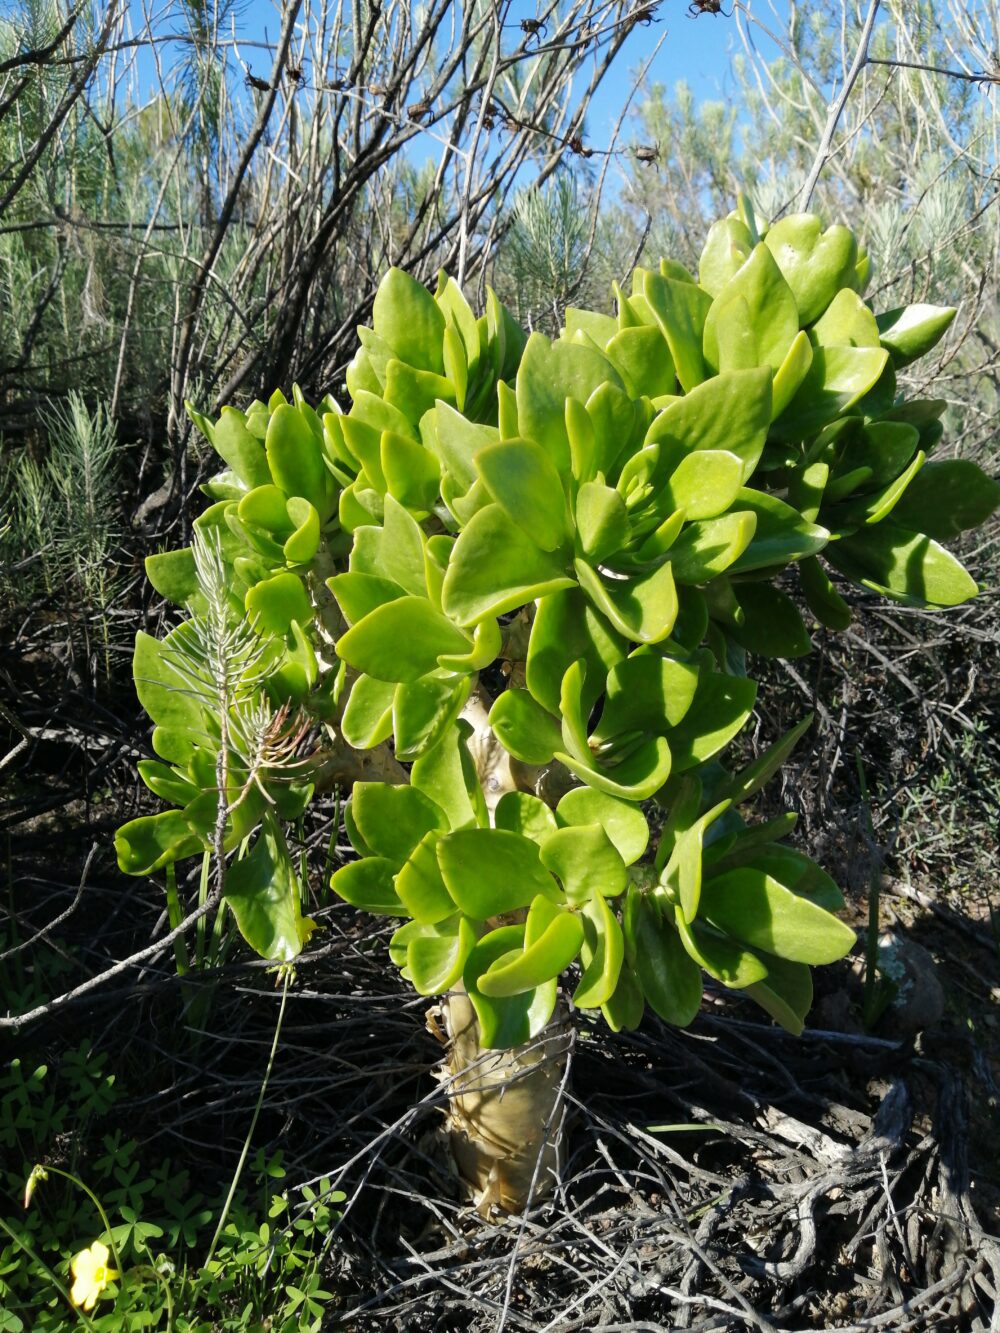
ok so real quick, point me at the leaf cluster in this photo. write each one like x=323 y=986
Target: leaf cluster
x=607 y=516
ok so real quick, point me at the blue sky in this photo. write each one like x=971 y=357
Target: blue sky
x=697 y=50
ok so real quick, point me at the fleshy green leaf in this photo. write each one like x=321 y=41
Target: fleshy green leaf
x=490 y=871
x=367 y=719
x=359 y=594
x=798 y=872
x=242 y=452
x=368 y=885
x=519 y=812
x=512 y=1020
x=412 y=473
x=846 y=322
x=586 y=861
x=790 y=374
x=262 y=891
x=407 y=317
x=751 y=906
x=276 y=602
x=148 y=844
x=909 y=332
x=624 y=1009
x=721 y=708
x=393 y=551
x=825 y=602
x=419 y=884
x=447 y=774
x=726 y=250
x=708 y=548
x=774 y=315
x=643 y=608
x=906 y=566
x=623 y=822
x=781 y=533
x=642 y=358
x=393 y=819
x=670 y=979
x=946 y=498
x=436 y=954
x=540 y=962
x=601 y=520
x=174 y=576
x=635 y=778
x=295 y=459
x=683 y=871
x=601 y=954
x=401 y=640
x=164 y=693
x=520 y=476
x=524 y=728
x=837 y=378
x=772 y=625
x=730 y=413
x=786 y=993
x=567 y=629
x=704 y=484
x=646 y=692
x=549 y=373
x=721 y=957
x=814 y=263
x=424 y=709
x=679 y=309
x=171 y=785
x=495 y=567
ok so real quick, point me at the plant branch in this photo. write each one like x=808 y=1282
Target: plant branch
x=823 y=153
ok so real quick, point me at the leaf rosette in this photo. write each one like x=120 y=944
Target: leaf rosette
x=602 y=525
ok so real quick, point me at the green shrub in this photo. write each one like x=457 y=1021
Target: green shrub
x=606 y=525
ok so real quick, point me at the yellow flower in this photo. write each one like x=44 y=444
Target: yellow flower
x=92 y=1274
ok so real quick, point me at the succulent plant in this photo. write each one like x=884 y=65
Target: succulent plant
x=605 y=524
